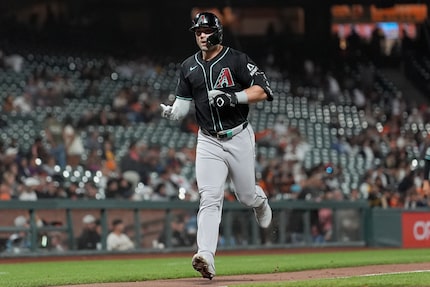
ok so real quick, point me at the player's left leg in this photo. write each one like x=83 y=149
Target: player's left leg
x=241 y=162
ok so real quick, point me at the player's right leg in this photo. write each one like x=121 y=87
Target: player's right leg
x=211 y=174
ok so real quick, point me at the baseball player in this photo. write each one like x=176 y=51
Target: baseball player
x=222 y=82
x=426 y=175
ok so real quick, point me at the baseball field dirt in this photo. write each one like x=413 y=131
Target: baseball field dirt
x=223 y=281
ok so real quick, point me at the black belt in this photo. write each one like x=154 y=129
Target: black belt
x=226 y=134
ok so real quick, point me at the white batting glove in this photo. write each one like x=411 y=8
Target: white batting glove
x=166 y=111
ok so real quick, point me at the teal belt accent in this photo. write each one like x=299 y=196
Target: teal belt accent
x=226 y=134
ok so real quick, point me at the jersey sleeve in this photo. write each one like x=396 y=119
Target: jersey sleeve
x=427 y=164
x=183 y=87
x=257 y=76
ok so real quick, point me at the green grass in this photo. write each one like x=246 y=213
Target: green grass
x=92 y=271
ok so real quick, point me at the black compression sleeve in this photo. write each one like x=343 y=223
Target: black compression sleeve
x=426 y=169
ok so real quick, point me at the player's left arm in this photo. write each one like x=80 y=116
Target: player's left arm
x=259 y=87
x=255 y=94
x=252 y=77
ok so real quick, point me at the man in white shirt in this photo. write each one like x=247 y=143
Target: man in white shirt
x=23 y=103
x=117 y=240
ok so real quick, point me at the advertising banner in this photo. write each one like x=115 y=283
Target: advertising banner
x=416 y=229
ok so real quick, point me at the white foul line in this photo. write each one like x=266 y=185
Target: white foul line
x=393 y=273
x=382 y=274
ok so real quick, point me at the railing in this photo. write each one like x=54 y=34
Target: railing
x=235 y=216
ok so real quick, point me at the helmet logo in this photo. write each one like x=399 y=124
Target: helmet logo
x=202 y=19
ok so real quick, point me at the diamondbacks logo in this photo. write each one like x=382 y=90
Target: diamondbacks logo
x=201 y=20
x=224 y=79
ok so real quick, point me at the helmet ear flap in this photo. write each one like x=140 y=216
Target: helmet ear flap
x=215 y=38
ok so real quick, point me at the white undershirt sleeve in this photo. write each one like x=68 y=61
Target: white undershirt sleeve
x=180 y=109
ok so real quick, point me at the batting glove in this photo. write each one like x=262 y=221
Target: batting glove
x=222 y=99
x=166 y=111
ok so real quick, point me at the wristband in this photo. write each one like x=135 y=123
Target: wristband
x=242 y=97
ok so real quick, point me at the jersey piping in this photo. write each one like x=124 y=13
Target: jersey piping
x=209 y=86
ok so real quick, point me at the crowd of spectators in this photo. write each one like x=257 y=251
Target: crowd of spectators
x=60 y=145
x=34 y=173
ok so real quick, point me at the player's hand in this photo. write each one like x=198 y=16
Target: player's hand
x=222 y=99
x=166 y=111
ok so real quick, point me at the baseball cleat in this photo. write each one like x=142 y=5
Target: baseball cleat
x=263 y=214
x=200 y=264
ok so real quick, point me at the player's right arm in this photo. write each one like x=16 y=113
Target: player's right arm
x=426 y=182
x=177 y=111
x=181 y=106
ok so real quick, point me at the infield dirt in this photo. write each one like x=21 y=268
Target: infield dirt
x=223 y=281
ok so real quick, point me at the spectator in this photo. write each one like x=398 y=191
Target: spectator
x=117 y=240
x=94 y=160
x=5 y=193
x=15 y=62
x=23 y=103
x=90 y=236
x=38 y=150
x=94 y=141
x=53 y=129
x=91 y=191
x=8 y=104
x=160 y=193
x=415 y=199
x=365 y=186
x=28 y=193
x=73 y=191
x=179 y=237
x=56 y=242
x=109 y=158
x=73 y=143
x=19 y=241
x=171 y=188
x=50 y=189
x=125 y=188
x=49 y=166
x=112 y=188
x=353 y=41
x=132 y=162
x=10 y=155
x=9 y=182
x=120 y=101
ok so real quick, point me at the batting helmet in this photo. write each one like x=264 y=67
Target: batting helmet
x=209 y=20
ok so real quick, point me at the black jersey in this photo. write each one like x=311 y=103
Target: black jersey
x=427 y=164
x=231 y=71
